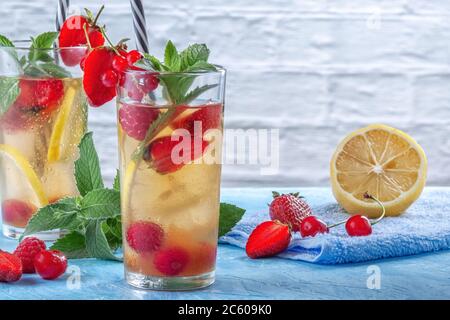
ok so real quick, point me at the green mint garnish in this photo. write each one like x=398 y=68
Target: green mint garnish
x=87 y=168
x=91 y=220
x=229 y=216
x=176 y=87
x=116 y=183
x=5 y=42
x=9 y=91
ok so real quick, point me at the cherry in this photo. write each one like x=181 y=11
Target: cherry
x=311 y=226
x=50 y=264
x=358 y=225
x=109 y=78
x=119 y=64
x=133 y=56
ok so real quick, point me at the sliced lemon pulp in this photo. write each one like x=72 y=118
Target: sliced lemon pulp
x=69 y=126
x=382 y=161
x=25 y=167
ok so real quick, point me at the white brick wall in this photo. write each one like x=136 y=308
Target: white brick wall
x=316 y=69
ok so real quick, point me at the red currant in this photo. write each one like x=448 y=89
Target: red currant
x=133 y=56
x=150 y=83
x=358 y=225
x=50 y=264
x=109 y=78
x=120 y=64
x=311 y=226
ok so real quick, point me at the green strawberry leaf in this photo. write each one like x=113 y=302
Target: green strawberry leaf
x=229 y=217
x=73 y=245
x=9 y=91
x=59 y=215
x=87 y=168
x=96 y=243
x=100 y=204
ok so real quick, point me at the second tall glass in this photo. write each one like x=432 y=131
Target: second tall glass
x=170 y=141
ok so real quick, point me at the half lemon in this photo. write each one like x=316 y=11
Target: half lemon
x=382 y=161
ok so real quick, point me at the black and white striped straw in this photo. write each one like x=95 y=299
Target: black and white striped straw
x=140 y=28
x=61 y=13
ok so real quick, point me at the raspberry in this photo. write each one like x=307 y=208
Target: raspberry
x=135 y=120
x=50 y=264
x=145 y=236
x=10 y=267
x=27 y=250
x=171 y=261
x=17 y=212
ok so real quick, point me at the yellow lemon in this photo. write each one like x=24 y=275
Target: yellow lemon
x=25 y=167
x=383 y=161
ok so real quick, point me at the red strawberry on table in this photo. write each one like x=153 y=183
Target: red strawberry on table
x=136 y=119
x=267 y=239
x=159 y=153
x=72 y=34
x=290 y=209
x=96 y=64
x=10 y=267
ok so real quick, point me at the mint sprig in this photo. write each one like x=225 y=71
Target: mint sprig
x=92 y=221
x=193 y=59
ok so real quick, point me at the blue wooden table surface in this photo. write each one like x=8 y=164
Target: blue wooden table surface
x=425 y=276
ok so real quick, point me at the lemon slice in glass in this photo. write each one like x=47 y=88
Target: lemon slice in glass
x=24 y=166
x=380 y=160
x=69 y=126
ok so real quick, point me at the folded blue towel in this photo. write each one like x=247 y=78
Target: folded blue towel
x=425 y=227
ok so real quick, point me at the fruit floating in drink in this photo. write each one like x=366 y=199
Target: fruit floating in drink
x=170 y=141
x=42 y=121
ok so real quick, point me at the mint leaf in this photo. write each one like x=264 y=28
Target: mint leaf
x=100 y=204
x=194 y=94
x=73 y=245
x=171 y=57
x=54 y=70
x=44 y=40
x=113 y=232
x=150 y=63
x=5 y=42
x=87 y=168
x=9 y=91
x=201 y=66
x=96 y=243
x=193 y=54
x=116 y=183
x=59 y=215
x=229 y=217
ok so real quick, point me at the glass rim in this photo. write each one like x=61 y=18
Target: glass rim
x=19 y=45
x=219 y=70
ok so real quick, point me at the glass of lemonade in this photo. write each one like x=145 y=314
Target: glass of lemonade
x=170 y=164
x=42 y=120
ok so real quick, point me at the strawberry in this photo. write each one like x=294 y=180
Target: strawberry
x=171 y=261
x=267 y=239
x=136 y=119
x=72 y=34
x=96 y=64
x=209 y=116
x=10 y=267
x=143 y=236
x=17 y=212
x=40 y=95
x=159 y=153
x=290 y=209
x=27 y=250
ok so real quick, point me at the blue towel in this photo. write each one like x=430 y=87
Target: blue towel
x=425 y=227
